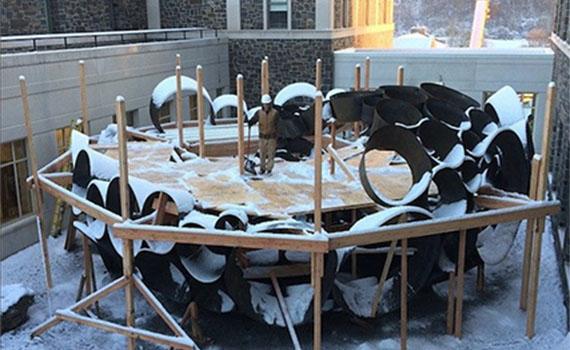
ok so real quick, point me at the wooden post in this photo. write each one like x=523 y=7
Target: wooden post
x=542 y=187
x=460 y=283
x=240 y=121
x=530 y=227
x=385 y=269
x=317 y=196
x=319 y=74
x=124 y=190
x=264 y=77
x=317 y=262
x=333 y=146
x=200 y=103
x=39 y=205
x=367 y=73
x=450 y=302
x=357 y=80
x=84 y=105
x=285 y=312
x=178 y=60
x=87 y=264
x=400 y=76
x=404 y=296
x=179 y=119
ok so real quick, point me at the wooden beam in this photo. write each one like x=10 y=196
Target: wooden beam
x=317 y=263
x=400 y=76
x=493 y=202
x=160 y=209
x=264 y=77
x=124 y=190
x=542 y=187
x=135 y=134
x=292 y=270
x=99 y=213
x=318 y=74
x=318 y=193
x=178 y=60
x=367 y=73
x=333 y=146
x=444 y=225
x=179 y=117
x=130 y=332
x=337 y=159
x=450 y=302
x=404 y=295
x=240 y=121
x=285 y=312
x=460 y=283
x=386 y=268
x=304 y=243
x=84 y=104
x=200 y=104
x=57 y=164
x=530 y=226
x=42 y=233
x=357 y=87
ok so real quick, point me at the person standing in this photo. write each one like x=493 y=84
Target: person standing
x=268 y=118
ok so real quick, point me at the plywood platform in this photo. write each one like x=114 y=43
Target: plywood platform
x=288 y=191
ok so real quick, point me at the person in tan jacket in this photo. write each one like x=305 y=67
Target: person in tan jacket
x=268 y=118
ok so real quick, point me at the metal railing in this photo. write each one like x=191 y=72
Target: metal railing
x=64 y=41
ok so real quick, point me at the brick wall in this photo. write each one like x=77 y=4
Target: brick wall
x=23 y=17
x=192 y=13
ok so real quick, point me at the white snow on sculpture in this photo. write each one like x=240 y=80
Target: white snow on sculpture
x=166 y=89
x=333 y=92
x=294 y=90
x=507 y=105
x=228 y=100
x=373 y=221
x=495 y=242
x=11 y=294
x=205 y=266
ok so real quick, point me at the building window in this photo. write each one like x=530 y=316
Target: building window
x=278 y=14
x=16 y=200
x=130 y=117
x=164 y=113
x=193 y=107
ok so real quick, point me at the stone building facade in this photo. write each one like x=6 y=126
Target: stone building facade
x=67 y=16
x=560 y=163
x=23 y=17
x=193 y=13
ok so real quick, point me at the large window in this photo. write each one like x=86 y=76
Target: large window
x=277 y=14
x=16 y=201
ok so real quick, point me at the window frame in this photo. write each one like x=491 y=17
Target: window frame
x=14 y=162
x=266 y=16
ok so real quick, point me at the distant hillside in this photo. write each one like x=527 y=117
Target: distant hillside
x=510 y=19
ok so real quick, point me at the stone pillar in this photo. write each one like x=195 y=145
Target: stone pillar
x=233 y=14
x=324 y=14
x=153 y=14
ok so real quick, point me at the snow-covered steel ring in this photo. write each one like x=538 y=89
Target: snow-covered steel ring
x=449 y=95
x=347 y=106
x=405 y=143
x=448 y=114
x=399 y=113
x=411 y=94
x=441 y=143
x=165 y=90
x=452 y=199
x=292 y=91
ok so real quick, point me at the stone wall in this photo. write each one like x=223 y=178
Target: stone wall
x=80 y=16
x=289 y=61
x=193 y=13
x=561 y=132
x=338 y=7
x=23 y=17
x=251 y=14
x=303 y=14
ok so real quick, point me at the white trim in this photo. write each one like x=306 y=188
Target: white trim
x=153 y=14
x=265 y=14
x=233 y=14
x=324 y=14
x=289 y=14
x=306 y=33
x=560 y=44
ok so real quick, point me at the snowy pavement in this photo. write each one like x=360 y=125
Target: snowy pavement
x=492 y=320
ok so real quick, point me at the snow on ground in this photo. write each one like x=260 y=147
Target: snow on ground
x=491 y=320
